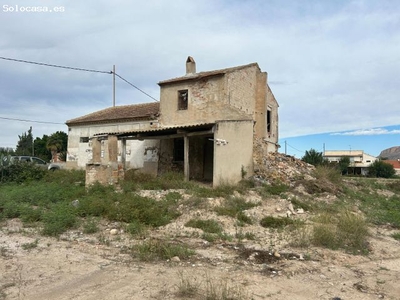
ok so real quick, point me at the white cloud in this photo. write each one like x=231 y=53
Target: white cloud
x=373 y=131
x=332 y=65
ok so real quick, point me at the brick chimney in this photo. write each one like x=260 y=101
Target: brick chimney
x=190 y=66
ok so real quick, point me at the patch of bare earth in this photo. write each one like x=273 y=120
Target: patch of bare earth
x=100 y=266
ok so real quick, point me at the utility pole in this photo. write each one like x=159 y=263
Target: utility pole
x=285 y=148
x=33 y=144
x=113 y=85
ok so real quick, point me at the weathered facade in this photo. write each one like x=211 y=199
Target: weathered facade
x=205 y=127
x=113 y=119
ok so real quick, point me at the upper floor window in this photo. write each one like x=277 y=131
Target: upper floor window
x=269 y=121
x=183 y=99
x=84 y=139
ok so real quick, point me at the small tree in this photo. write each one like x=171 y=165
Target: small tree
x=381 y=169
x=57 y=142
x=313 y=157
x=343 y=165
x=25 y=143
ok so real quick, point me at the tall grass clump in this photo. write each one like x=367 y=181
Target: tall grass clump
x=234 y=207
x=346 y=231
x=135 y=180
x=274 y=189
x=153 y=250
x=328 y=173
x=59 y=219
x=209 y=226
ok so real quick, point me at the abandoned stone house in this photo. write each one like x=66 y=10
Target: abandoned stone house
x=204 y=125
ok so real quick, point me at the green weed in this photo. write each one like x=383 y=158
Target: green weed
x=152 y=250
x=29 y=246
x=234 y=207
x=208 y=226
x=279 y=222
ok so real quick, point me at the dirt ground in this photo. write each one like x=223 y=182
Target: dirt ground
x=97 y=266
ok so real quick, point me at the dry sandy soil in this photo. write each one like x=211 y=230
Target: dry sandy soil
x=97 y=266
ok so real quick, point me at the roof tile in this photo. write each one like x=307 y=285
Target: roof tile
x=147 y=111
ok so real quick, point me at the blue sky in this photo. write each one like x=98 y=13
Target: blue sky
x=371 y=141
x=332 y=65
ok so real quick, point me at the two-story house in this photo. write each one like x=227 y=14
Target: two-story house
x=206 y=126
x=359 y=160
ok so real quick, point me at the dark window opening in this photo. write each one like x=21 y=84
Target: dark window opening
x=84 y=139
x=183 y=100
x=179 y=152
x=268 y=121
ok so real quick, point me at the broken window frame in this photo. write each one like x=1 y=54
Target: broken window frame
x=84 y=139
x=183 y=99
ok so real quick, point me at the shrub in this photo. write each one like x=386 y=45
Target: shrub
x=209 y=226
x=22 y=172
x=58 y=220
x=276 y=189
x=346 y=231
x=136 y=228
x=382 y=169
x=234 y=207
x=155 y=249
x=328 y=173
x=90 y=226
x=272 y=222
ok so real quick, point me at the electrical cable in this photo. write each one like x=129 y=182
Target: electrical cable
x=131 y=84
x=32 y=121
x=54 y=66
x=76 y=69
x=295 y=148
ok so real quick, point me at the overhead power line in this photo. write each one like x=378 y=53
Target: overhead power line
x=295 y=148
x=31 y=121
x=54 y=66
x=76 y=69
x=131 y=84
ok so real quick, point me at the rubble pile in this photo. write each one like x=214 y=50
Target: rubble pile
x=271 y=167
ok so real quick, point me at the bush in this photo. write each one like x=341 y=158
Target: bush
x=276 y=189
x=21 y=172
x=58 y=220
x=381 y=169
x=209 y=226
x=346 y=231
x=234 y=208
x=272 y=222
x=155 y=249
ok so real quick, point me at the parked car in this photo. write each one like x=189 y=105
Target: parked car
x=35 y=160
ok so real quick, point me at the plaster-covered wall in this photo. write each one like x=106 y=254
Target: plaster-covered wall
x=233 y=151
x=80 y=153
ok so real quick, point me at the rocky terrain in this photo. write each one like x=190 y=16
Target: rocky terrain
x=255 y=263
x=392 y=153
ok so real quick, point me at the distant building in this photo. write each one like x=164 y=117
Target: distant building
x=395 y=164
x=359 y=160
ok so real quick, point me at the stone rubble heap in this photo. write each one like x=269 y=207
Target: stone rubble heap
x=275 y=167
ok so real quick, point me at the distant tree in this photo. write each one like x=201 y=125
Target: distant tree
x=313 y=157
x=57 y=142
x=25 y=143
x=40 y=145
x=6 y=150
x=343 y=165
x=381 y=169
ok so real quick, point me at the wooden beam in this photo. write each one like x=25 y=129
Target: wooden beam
x=186 y=157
